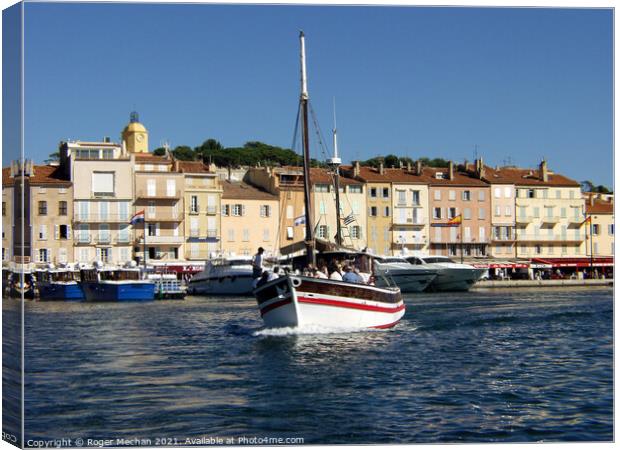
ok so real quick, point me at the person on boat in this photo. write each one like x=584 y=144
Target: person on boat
x=275 y=274
x=317 y=273
x=350 y=276
x=264 y=278
x=257 y=263
x=334 y=271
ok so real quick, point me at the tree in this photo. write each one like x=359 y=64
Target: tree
x=602 y=189
x=184 y=153
x=587 y=186
x=54 y=156
x=160 y=151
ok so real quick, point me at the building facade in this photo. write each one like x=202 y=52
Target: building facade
x=601 y=210
x=249 y=219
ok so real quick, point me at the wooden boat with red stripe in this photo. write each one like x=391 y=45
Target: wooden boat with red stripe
x=299 y=301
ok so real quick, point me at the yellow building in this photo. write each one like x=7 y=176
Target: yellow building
x=47 y=216
x=250 y=219
x=135 y=137
x=159 y=192
x=601 y=208
x=201 y=218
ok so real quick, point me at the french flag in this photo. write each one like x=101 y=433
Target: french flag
x=137 y=217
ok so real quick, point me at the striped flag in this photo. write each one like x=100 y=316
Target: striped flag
x=349 y=219
x=137 y=217
x=456 y=220
x=299 y=220
x=588 y=221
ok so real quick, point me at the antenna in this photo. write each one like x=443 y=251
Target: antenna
x=475 y=152
x=335 y=161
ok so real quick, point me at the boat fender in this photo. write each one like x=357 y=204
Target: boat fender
x=296 y=282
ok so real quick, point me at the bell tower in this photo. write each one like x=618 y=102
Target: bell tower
x=135 y=136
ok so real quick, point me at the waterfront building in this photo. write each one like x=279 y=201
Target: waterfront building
x=549 y=213
x=201 y=201
x=47 y=214
x=378 y=205
x=250 y=218
x=159 y=192
x=600 y=207
x=103 y=195
x=502 y=210
x=135 y=137
x=456 y=192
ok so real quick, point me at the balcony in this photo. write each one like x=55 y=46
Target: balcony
x=82 y=240
x=101 y=218
x=123 y=239
x=156 y=240
x=550 y=219
x=457 y=240
x=103 y=239
x=212 y=233
x=194 y=233
x=211 y=210
x=164 y=217
x=503 y=239
x=159 y=195
x=417 y=221
x=549 y=238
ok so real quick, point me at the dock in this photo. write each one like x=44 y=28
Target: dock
x=493 y=284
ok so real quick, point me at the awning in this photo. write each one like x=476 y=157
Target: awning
x=574 y=262
x=502 y=265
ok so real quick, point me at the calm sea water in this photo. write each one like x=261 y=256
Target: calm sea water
x=523 y=365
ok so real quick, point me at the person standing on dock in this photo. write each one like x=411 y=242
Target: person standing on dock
x=257 y=263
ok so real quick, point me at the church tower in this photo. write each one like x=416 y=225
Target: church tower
x=135 y=136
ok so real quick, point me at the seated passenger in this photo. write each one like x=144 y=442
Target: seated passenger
x=319 y=274
x=334 y=271
x=275 y=274
x=350 y=276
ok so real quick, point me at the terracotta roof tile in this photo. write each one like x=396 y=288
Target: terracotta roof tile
x=600 y=207
x=42 y=175
x=526 y=177
x=152 y=158
x=193 y=167
x=460 y=178
x=389 y=175
x=242 y=191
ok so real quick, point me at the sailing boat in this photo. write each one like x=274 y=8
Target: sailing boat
x=301 y=301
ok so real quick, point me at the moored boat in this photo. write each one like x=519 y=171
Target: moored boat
x=223 y=276
x=114 y=284
x=167 y=286
x=451 y=276
x=408 y=277
x=59 y=284
x=21 y=284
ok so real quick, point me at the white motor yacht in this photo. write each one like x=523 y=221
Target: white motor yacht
x=223 y=276
x=408 y=277
x=451 y=276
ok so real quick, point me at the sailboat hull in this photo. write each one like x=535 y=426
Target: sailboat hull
x=296 y=301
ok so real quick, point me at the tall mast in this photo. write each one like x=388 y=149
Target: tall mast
x=334 y=163
x=310 y=257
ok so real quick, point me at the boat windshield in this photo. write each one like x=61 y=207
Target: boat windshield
x=438 y=259
x=120 y=275
x=64 y=276
x=392 y=260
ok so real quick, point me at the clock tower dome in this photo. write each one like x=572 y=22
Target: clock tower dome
x=135 y=136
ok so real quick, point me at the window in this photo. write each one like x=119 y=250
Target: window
x=436 y=213
x=451 y=213
x=103 y=183
x=238 y=210
x=452 y=195
x=610 y=229
x=265 y=234
x=231 y=235
x=386 y=211
x=466 y=213
x=558 y=193
x=545 y=193
x=171 y=187
x=531 y=193
x=43 y=255
x=571 y=194
x=265 y=211
x=498 y=211
x=356 y=232
x=62 y=208
x=466 y=195
x=151 y=189
x=246 y=234
x=152 y=229
x=563 y=212
x=595 y=248
x=373 y=211
x=289 y=212
x=538 y=249
x=416 y=198
x=508 y=211
x=193 y=204
x=321 y=187
x=64 y=231
x=150 y=210
x=43 y=208
x=323 y=232
x=507 y=191
x=536 y=211
x=481 y=195
x=386 y=192
x=289 y=233
x=4 y=208
x=437 y=195
x=595 y=229
x=481 y=213
x=402 y=199
x=451 y=250
x=356 y=189
x=497 y=192
x=373 y=192
x=564 y=249
x=43 y=232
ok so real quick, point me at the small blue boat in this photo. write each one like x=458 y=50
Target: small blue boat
x=59 y=284
x=116 y=285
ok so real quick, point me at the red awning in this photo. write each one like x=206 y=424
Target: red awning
x=575 y=262
x=501 y=265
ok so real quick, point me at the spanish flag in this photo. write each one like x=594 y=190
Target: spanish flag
x=588 y=221
x=456 y=220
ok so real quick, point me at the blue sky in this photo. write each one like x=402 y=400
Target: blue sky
x=520 y=83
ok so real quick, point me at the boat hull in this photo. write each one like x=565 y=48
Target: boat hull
x=295 y=301
x=225 y=285
x=458 y=279
x=118 y=292
x=60 y=291
x=408 y=281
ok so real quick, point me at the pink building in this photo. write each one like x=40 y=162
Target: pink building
x=453 y=192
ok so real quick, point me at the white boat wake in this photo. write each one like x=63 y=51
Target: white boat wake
x=313 y=329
